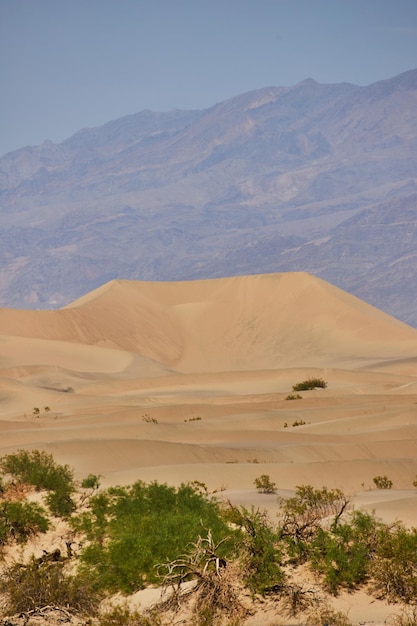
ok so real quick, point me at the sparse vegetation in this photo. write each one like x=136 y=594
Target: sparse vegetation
x=310 y=383
x=208 y=555
x=294 y=396
x=382 y=482
x=92 y=481
x=298 y=423
x=264 y=484
x=326 y=616
x=148 y=419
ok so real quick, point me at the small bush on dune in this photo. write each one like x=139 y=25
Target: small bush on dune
x=294 y=396
x=310 y=383
x=264 y=484
x=92 y=481
x=382 y=482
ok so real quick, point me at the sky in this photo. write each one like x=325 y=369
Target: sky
x=72 y=64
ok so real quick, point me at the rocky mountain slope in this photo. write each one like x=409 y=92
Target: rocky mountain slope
x=317 y=178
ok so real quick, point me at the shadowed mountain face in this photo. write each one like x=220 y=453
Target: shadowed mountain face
x=317 y=178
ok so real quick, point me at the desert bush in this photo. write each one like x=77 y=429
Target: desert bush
x=342 y=554
x=259 y=549
x=213 y=595
x=131 y=529
x=92 y=481
x=298 y=423
x=310 y=383
x=20 y=520
x=40 y=470
x=264 y=484
x=148 y=419
x=382 y=482
x=294 y=396
x=301 y=516
x=39 y=584
x=122 y=616
x=394 y=566
x=326 y=616
x=294 y=599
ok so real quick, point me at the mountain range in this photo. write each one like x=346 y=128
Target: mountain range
x=314 y=178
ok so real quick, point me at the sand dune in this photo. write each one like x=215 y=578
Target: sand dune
x=244 y=323
x=188 y=380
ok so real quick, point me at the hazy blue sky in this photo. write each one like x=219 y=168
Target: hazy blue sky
x=69 y=64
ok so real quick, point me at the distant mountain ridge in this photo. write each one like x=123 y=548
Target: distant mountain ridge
x=316 y=178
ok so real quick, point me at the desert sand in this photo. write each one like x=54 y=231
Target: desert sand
x=188 y=381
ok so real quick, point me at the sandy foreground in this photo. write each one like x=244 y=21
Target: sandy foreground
x=188 y=381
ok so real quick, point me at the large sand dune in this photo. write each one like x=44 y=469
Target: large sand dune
x=188 y=380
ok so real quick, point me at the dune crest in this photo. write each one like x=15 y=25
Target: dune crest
x=240 y=323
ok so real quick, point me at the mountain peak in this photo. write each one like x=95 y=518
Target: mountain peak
x=276 y=179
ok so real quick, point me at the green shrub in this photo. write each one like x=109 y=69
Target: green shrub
x=343 y=553
x=294 y=396
x=38 y=584
x=394 y=567
x=92 y=481
x=40 y=470
x=20 y=520
x=382 y=482
x=131 y=529
x=264 y=484
x=310 y=383
x=259 y=549
x=301 y=516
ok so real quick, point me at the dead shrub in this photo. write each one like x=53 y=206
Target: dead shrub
x=40 y=583
x=212 y=585
x=326 y=616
